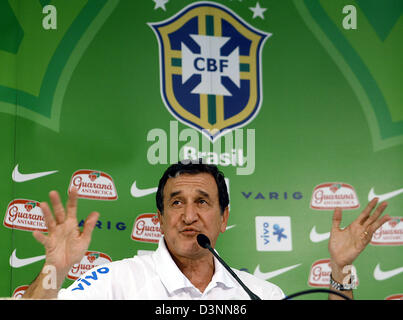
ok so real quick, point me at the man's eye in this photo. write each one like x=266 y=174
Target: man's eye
x=202 y=201
x=176 y=202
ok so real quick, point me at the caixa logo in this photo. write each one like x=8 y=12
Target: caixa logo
x=272 y=195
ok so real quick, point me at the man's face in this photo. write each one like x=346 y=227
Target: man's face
x=191 y=206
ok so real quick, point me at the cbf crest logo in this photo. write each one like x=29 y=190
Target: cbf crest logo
x=210 y=68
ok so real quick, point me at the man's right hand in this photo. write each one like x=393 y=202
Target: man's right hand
x=65 y=244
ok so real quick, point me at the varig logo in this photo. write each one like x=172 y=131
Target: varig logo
x=90 y=260
x=389 y=234
x=210 y=68
x=146 y=228
x=92 y=184
x=25 y=215
x=272 y=195
x=328 y=196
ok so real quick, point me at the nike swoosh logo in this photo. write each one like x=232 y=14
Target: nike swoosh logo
x=138 y=193
x=16 y=262
x=272 y=274
x=17 y=176
x=383 y=275
x=318 y=237
x=385 y=196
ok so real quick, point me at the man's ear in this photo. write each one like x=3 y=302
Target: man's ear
x=225 y=217
x=160 y=220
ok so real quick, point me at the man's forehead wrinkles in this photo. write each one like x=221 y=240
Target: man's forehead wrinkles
x=202 y=184
x=191 y=179
x=203 y=180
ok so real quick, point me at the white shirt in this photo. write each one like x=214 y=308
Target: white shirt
x=157 y=277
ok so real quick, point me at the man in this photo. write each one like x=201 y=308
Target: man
x=191 y=199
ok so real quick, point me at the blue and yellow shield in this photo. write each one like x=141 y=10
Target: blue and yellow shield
x=210 y=68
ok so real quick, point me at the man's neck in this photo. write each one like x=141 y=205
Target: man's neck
x=199 y=271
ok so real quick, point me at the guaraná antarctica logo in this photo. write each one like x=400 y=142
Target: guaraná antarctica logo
x=146 y=228
x=210 y=68
x=389 y=234
x=319 y=275
x=328 y=196
x=93 y=184
x=24 y=215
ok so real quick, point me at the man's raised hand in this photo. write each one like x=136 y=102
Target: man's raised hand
x=65 y=244
x=346 y=244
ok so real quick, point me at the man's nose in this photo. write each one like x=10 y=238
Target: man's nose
x=190 y=214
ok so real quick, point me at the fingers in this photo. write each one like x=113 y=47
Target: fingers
x=72 y=203
x=377 y=224
x=336 y=220
x=366 y=212
x=89 y=225
x=374 y=217
x=47 y=216
x=40 y=237
x=60 y=213
x=57 y=205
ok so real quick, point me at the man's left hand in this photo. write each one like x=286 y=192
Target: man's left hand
x=346 y=244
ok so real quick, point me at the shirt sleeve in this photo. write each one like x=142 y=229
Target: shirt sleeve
x=95 y=284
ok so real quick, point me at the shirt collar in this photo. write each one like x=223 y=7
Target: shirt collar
x=173 y=278
x=221 y=275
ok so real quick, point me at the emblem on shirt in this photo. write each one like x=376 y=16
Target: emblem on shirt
x=210 y=68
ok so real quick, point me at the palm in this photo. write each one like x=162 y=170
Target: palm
x=65 y=244
x=346 y=244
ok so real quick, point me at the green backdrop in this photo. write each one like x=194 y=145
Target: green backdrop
x=106 y=93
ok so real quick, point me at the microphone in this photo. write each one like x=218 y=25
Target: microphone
x=204 y=242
